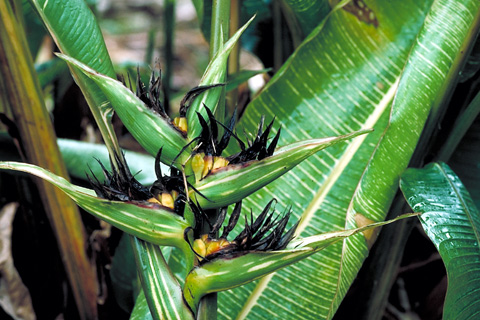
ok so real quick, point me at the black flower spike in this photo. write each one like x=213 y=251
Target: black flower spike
x=257 y=149
x=192 y=94
x=119 y=185
x=169 y=184
x=151 y=96
x=208 y=142
x=266 y=233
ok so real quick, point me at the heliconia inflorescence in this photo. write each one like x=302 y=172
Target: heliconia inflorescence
x=187 y=207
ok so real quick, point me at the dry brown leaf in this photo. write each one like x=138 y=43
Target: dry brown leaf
x=14 y=296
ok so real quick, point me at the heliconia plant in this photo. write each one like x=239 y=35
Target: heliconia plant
x=187 y=207
x=170 y=213
x=244 y=199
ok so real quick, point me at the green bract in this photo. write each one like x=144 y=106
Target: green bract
x=145 y=221
x=234 y=182
x=151 y=130
x=215 y=73
x=231 y=271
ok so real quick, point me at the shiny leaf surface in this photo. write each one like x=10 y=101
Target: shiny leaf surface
x=452 y=222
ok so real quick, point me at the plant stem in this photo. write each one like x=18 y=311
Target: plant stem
x=23 y=96
x=207 y=310
x=234 y=59
x=220 y=25
x=461 y=126
x=169 y=49
x=218 y=36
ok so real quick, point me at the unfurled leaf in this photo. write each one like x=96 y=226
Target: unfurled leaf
x=452 y=222
x=75 y=31
x=349 y=75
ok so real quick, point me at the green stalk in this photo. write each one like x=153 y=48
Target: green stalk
x=219 y=34
x=23 y=96
x=162 y=290
x=169 y=46
x=220 y=25
x=461 y=126
x=234 y=59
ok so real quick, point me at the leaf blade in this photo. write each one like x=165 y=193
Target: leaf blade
x=361 y=80
x=452 y=222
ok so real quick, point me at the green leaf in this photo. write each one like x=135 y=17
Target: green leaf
x=158 y=226
x=344 y=77
x=234 y=80
x=161 y=288
x=141 y=311
x=452 y=222
x=309 y=12
x=233 y=183
x=81 y=157
x=75 y=31
x=150 y=129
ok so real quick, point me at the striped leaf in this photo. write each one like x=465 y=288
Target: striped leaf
x=233 y=183
x=348 y=75
x=81 y=157
x=452 y=222
x=161 y=288
x=75 y=31
x=161 y=227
